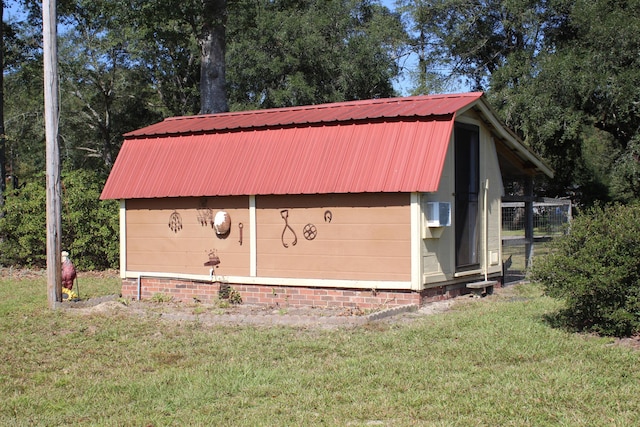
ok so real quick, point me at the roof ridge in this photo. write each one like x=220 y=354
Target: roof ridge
x=398 y=108
x=328 y=105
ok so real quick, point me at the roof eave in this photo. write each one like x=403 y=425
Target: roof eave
x=524 y=152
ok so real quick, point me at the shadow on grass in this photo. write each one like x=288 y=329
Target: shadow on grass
x=567 y=320
x=561 y=319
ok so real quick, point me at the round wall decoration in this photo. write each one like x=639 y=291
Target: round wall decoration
x=222 y=223
x=309 y=231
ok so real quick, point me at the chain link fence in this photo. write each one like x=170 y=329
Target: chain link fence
x=551 y=218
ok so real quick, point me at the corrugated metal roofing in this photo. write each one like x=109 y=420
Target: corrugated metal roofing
x=389 y=145
x=416 y=106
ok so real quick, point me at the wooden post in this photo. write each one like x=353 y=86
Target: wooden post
x=528 y=221
x=51 y=111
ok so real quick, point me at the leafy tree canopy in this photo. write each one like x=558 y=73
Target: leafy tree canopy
x=563 y=73
x=296 y=53
x=126 y=64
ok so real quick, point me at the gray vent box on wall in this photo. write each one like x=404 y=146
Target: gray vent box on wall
x=438 y=214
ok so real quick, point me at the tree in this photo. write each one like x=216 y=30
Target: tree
x=277 y=52
x=563 y=74
x=12 y=50
x=106 y=93
x=182 y=44
x=294 y=53
x=577 y=103
x=212 y=41
x=3 y=173
x=605 y=43
x=471 y=39
x=126 y=64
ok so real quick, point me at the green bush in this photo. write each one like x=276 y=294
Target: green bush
x=90 y=230
x=595 y=269
x=23 y=227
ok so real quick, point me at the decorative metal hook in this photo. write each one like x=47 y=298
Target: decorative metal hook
x=285 y=215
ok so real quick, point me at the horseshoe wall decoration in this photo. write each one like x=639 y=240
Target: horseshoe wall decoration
x=328 y=216
x=285 y=215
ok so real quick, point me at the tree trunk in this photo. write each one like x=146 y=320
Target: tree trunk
x=3 y=147
x=213 y=91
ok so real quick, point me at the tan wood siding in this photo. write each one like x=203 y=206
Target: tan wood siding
x=368 y=237
x=439 y=253
x=496 y=191
x=152 y=246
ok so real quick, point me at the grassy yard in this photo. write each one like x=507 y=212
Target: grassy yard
x=488 y=362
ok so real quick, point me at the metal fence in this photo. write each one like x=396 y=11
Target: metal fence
x=551 y=218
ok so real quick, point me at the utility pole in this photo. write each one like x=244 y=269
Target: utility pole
x=51 y=113
x=3 y=144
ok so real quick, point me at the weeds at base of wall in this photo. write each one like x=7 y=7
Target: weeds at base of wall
x=232 y=296
x=159 y=297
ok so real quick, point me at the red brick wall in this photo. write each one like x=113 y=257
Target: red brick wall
x=289 y=296
x=283 y=296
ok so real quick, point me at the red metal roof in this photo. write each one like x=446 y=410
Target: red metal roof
x=417 y=106
x=383 y=145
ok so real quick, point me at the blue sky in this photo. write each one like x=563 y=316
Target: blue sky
x=13 y=11
x=402 y=84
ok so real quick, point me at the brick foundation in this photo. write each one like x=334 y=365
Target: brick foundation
x=289 y=296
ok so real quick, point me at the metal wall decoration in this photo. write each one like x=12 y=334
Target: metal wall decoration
x=240 y=227
x=205 y=217
x=175 y=222
x=285 y=215
x=328 y=216
x=309 y=232
x=222 y=223
x=214 y=260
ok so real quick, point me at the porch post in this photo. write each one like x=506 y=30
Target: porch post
x=528 y=220
x=253 y=238
x=416 y=243
x=123 y=238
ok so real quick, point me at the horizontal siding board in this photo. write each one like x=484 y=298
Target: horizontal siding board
x=153 y=246
x=368 y=237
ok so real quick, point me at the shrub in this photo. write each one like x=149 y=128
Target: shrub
x=595 y=269
x=90 y=230
x=23 y=227
x=90 y=226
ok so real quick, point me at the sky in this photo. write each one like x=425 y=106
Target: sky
x=401 y=85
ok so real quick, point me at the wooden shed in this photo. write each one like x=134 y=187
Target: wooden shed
x=366 y=204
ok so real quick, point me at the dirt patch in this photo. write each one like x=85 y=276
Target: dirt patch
x=243 y=314
x=629 y=342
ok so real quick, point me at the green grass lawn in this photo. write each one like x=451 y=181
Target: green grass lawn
x=488 y=362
